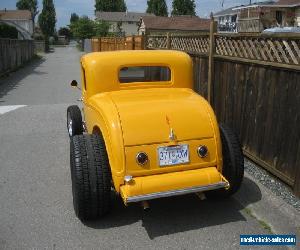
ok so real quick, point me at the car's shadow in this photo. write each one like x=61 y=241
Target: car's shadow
x=180 y=214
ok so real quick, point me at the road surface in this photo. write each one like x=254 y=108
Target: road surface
x=35 y=188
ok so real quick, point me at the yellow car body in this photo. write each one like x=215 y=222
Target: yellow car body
x=136 y=117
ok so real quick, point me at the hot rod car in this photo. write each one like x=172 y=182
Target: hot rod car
x=146 y=134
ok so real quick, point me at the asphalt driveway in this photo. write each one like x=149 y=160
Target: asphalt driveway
x=35 y=188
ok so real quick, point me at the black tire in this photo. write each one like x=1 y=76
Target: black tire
x=91 y=176
x=74 y=121
x=233 y=163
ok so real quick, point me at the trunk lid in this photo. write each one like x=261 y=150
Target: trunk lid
x=148 y=115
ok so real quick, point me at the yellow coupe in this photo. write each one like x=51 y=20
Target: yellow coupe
x=145 y=133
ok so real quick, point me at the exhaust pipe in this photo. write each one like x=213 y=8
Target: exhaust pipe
x=145 y=205
x=201 y=196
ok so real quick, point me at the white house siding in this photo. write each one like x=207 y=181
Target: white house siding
x=130 y=28
x=25 y=24
x=113 y=27
x=224 y=19
x=142 y=29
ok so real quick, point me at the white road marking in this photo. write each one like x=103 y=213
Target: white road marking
x=5 y=109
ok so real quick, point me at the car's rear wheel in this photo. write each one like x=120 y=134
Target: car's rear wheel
x=74 y=121
x=233 y=163
x=91 y=176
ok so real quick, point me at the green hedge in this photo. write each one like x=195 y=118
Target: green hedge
x=7 y=31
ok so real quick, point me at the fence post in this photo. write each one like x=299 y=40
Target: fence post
x=99 y=44
x=133 y=42
x=144 y=41
x=297 y=176
x=213 y=29
x=168 y=41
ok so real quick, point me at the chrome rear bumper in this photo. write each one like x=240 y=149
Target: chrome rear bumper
x=177 y=192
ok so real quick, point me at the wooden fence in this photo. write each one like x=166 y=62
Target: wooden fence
x=117 y=43
x=191 y=44
x=253 y=84
x=39 y=46
x=284 y=50
x=14 y=53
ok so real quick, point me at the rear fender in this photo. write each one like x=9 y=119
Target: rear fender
x=217 y=138
x=101 y=117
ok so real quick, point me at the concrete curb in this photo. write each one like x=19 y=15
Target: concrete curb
x=274 y=211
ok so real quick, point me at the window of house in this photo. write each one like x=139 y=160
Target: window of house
x=233 y=19
x=279 y=17
x=144 y=74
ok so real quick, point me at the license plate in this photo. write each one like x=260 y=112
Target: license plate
x=173 y=155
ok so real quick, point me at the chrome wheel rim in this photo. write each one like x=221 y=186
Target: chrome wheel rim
x=70 y=127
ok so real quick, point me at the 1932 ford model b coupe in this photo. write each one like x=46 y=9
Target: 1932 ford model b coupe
x=146 y=134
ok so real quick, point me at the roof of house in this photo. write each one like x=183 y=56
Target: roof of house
x=288 y=2
x=271 y=3
x=120 y=16
x=278 y=3
x=226 y=12
x=15 y=15
x=184 y=23
x=234 y=10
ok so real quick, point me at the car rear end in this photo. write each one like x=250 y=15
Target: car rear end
x=171 y=143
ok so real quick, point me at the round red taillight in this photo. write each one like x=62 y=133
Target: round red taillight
x=202 y=151
x=142 y=158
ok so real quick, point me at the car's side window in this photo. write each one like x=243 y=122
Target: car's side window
x=145 y=74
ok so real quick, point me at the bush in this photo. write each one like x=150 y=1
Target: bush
x=7 y=31
x=85 y=28
x=38 y=37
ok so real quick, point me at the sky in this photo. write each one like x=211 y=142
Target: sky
x=64 y=8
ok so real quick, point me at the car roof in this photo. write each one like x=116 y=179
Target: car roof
x=101 y=69
x=138 y=57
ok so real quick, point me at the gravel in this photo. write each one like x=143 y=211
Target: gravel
x=279 y=188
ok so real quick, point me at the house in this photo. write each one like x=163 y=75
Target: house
x=294 y=5
x=232 y=19
x=174 y=24
x=122 y=23
x=20 y=19
x=260 y=16
x=62 y=40
x=297 y=17
x=227 y=20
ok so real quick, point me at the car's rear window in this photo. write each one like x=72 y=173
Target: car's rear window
x=145 y=74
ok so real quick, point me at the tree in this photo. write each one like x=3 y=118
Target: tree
x=86 y=28
x=47 y=20
x=30 y=5
x=65 y=31
x=157 y=7
x=121 y=5
x=74 y=18
x=184 y=7
x=7 y=31
x=109 y=5
x=83 y=28
x=101 y=28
